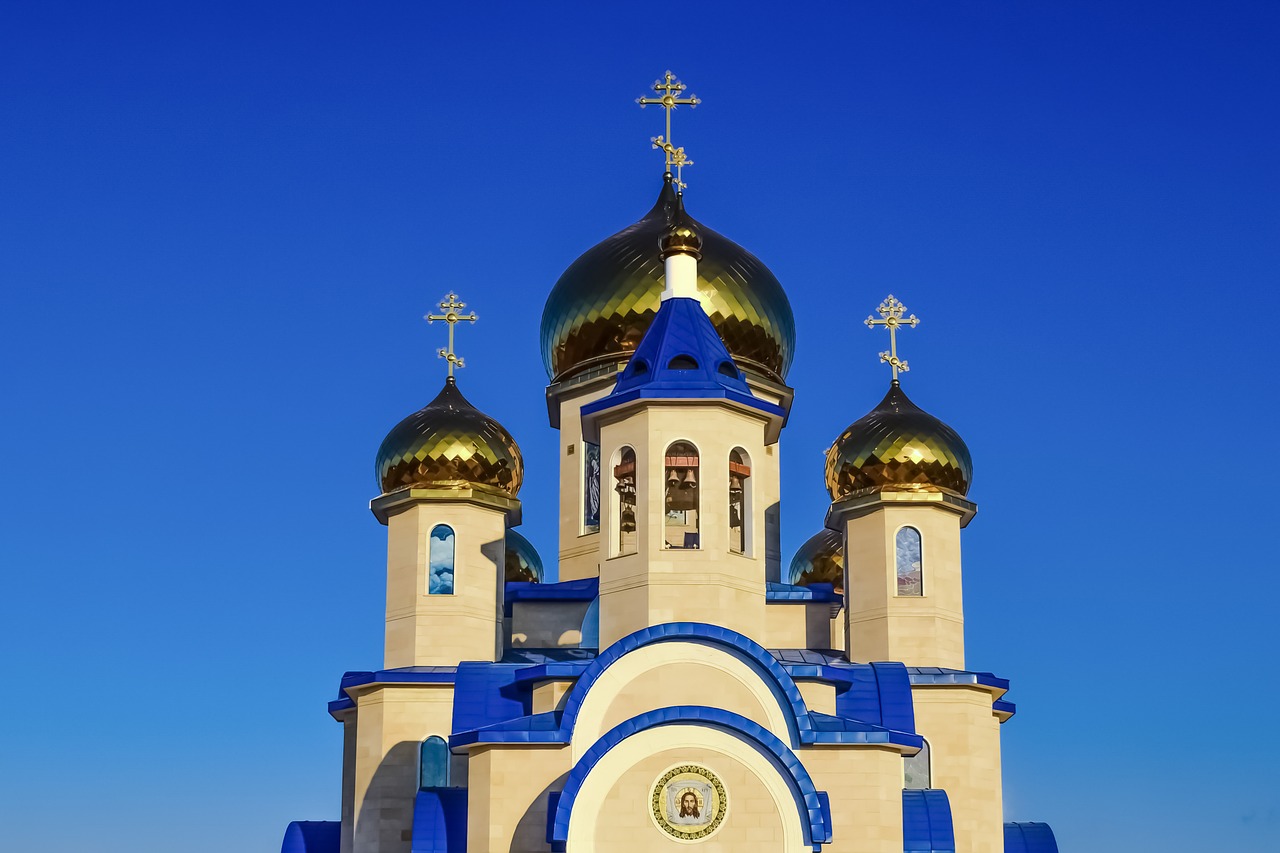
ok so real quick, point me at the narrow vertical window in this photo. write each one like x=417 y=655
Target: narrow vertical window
x=915 y=770
x=624 y=483
x=680 y=528
x=433 y=764
x=739 y=500
x=909 y=566
x=591 y=488
x=440 y=561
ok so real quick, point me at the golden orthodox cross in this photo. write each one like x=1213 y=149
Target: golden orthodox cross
x=451 y=306
x=891 y=311
x=669 y=89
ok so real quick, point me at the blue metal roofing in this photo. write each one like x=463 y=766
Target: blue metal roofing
x=1029 y=837
x=440 y=821
x=815 y=592
x=580 y=590
x=926 y=822
x=312 y=836
x=681 y=357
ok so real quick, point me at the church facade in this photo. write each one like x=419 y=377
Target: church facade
x=680 y=687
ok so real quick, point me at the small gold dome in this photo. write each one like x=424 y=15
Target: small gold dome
x=820 y=560
x=600 y=308
x=898 y=447
x=449 y=444
x=522 y=562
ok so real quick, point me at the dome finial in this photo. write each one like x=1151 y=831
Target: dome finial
x=668 y=90
x=891 y=311
x=451 y=306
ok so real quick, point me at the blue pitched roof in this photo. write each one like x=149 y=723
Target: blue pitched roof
x=681 y=357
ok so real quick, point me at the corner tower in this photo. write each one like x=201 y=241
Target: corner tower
x=684 y=441
x=449 y=476
x=898 y=479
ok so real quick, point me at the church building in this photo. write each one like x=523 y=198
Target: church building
x=680 y=687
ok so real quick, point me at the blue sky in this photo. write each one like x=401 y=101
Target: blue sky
x=220 y=225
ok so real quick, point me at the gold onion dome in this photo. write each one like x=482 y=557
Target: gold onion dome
x=898 y=447
x=600 y=308
x=449 y=444
x=820 y=560
x=521 y=562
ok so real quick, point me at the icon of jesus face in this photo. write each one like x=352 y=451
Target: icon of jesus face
x=689 y=805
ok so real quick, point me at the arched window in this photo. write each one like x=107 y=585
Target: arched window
x=739 y=500
x=624 y=483
x=590 y=488
x=680 y=528
x=907 y=558
x=433 y=764
x=440 y=561
x=916 y=773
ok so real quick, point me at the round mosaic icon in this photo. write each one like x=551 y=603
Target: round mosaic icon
x=688 y=802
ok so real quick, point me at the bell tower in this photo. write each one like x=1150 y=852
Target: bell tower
x=683 y=529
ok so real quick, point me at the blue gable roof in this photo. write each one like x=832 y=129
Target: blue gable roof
x=681 y=357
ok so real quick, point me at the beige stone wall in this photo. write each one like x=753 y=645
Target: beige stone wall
x=964 y=745
x=425 y=630
x=347 y=843
x=865 y=788
x=579 y=550
x=547 y=624
x=550 y=695
x=507 y=800
x=391 y=723
x=925 y=630
x=708 y=584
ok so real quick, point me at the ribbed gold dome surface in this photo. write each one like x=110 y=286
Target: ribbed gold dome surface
x=522 y=560
x=604 y=302
x=898 y=446
x=449 y=444
x=820 y=560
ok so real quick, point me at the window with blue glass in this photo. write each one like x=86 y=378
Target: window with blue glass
x=591 y=488
x=440 y=561
x=915 y=770
x=433 y=764
x=909 y=564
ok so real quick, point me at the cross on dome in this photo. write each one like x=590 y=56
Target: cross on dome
x=669 y=98
x=451 y=306
x=891 y=311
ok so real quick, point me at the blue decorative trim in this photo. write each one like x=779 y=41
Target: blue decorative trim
x=874 y=708
x=814 y=809
x=743 y=648
x=312 y=836
x=776 y=593
x=1029 y=837
x=584 y=589
x=1000 y=706
x=440 y=821
x=926 y=822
